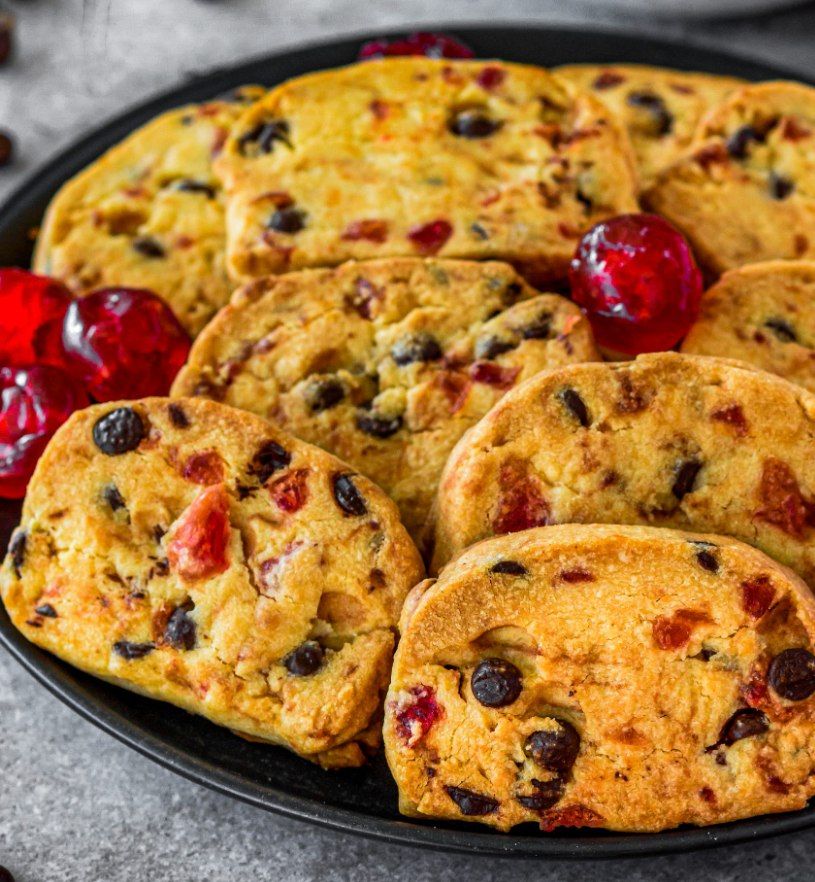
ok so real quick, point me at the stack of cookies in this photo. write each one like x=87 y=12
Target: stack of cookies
x=387 y=380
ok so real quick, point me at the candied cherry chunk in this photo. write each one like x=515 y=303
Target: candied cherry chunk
x=34 y=403
x=635 y=278
x=419 y=43
x=32 y=308
x=415 y=717
x=198 y=545
x=124 y=343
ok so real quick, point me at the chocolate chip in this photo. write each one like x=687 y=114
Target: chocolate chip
x=470 y=802
x=147 y=246
x=744 y=723
x=738 y=144
x=704 y=654
x=420 y=346
x=576 y=406
x=473 y=124
x=6 y=147
x=46 y=610
x=496 y=682
x=509 y=568
x=6 y=40
x=490 y=347
x=305 y=660
x=478 y=231
x=190 y=186
x=555 y=750
x=707 y=561
x=16 y=551
x=132 y=650
x=180 y=630
x=685 y=473
x=656 y=107
x=265 y=135
x=792 y=674
x=546 y=795
x=780 y=187
x=5 y=875
x=269 y=459
x=287 y=220
x=177 y=416
x=119 y=431
x=349 y=499
x=539 y=329
x=322 y=394
x=378 y=427
x=112 y=496
x=584 y=200
x=782 y=329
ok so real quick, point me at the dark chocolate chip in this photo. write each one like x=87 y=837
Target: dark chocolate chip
x=131 y=651
x=705 y=655
x=349 y=499
x=685 y=473
x=782 y=329
x=744 y=723
x=147 y=246
x=119 y=431
x=265 y=135
x=738 y=144
x=792 y=674
x=707 y=561
x=470 y=802
x=656 y=107
x=584 y=200
x=509 y=568
x=16 y=551
x=496 y=682
x=539 y=329
x=269 y=459
x=473 y=124
x=420 y=346
x=378 y=427
x=576 y=406
x=6 y=41
x=180 y=629
x=478 y=231
x=190 y=186
x=780 y=186
x=287 y=220
x=305 y=660
x=6 y=148
x=177 y=416
x=546 y=795
x=5 y=875
x=46 y=610
x=112 y=496
x=322 y=394
x=555 y=750
x=490 y=347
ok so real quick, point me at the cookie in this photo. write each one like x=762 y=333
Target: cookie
x=670 y=440
x=195 y=554
x=745 y=192
x=150 y=214
x=762 y=314
x=630 y=678
x=660 y=107
x=384 y=363
x=422 y=157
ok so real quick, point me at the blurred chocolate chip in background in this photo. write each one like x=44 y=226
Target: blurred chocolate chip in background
x=6 y=148
x=6 y=34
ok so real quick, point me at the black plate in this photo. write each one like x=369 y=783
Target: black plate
x=359 y=801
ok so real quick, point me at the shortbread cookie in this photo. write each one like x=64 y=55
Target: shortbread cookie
x=630 y=678
x=384 y=363
x=660 y=107
x=670 y=440
x=763 y=314
x=149 y=214
x=191 y=552
x=420 y=156
x=746 y=190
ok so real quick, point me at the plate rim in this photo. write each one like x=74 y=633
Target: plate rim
x=60 y=679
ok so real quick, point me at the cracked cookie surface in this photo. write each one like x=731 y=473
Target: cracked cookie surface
x=660 y=107
x=670 y=440
x=745 y=191
x=193 y=553
x=419 y=156
x=384 y=363
x=630 y=678
x=763 y=314
x=150 y=214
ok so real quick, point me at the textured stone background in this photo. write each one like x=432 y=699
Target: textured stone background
x=75 y=806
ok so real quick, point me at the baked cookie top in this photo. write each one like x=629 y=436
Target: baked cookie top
x=763 y=314
x=384 y=363
x=150 y=214
x=660 y=107
x=631 y=678
x=420 y=156
x=195 y=554
x=670 y=440
x=745 y=192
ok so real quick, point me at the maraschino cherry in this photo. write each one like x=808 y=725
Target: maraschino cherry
x=420 y=43
x=32 y=308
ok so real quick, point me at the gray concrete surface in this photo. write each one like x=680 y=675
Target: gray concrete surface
x=75 y=806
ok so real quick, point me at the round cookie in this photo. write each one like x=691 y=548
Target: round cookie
x=150 y=214
x=384 y=363
x=763 y=314
x=671 y=440
x=745 y=192
x=422 y=156
x=195 y=554
x=631 y=678
x=660 y=107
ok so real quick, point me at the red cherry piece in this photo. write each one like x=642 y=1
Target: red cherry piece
x=420 y=43
x=34 y=403
x=31 y=312
x=371 y=229
x=417 y=714
x=493 y=374
x=521 y=504
x=205 y=468
x=199 y=538
x=636 y=280
x=291 y=491
x=429 y=238
x=491 y=77
x=124 y=343
x=757 y=595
